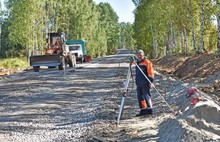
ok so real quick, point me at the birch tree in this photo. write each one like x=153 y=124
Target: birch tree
x=108 y=19
x=193 y=24
x=202 y=20
x=1 y=20
x=218 y=22
x=29 y=21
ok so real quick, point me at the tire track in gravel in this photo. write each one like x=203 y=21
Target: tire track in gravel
x=51 y=105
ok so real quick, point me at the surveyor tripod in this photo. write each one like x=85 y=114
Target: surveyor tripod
x=133 y=61
x=124 y=94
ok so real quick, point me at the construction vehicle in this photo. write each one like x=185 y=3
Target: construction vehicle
x=56 y=54
x=78 y=48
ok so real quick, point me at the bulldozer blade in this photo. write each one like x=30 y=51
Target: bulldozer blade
x=45 y=60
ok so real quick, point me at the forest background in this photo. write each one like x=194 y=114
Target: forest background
x=161 y=27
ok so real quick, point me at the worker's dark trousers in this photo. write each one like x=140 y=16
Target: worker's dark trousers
x=143 y=93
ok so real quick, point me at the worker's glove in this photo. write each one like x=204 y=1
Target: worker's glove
x=132 y=59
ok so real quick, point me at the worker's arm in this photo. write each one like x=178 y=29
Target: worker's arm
x=150 y=71
x=150 y=74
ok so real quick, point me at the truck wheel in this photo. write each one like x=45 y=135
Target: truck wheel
x=62 y=65
x=84 y=60
x=74 y=60
x=36 y=68
x=71 y=60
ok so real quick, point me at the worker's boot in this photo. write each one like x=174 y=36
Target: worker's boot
x=149 y=111
x=141 y=113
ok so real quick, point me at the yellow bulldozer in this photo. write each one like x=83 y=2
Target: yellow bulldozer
x=56 y=54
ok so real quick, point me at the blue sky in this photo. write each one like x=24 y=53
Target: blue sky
x=123 y=8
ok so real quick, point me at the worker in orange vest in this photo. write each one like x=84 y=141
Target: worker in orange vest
x=143 y=85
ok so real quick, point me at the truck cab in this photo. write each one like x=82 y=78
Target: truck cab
x=77 y=48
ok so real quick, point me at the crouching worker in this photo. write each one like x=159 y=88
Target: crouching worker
x=143 y=85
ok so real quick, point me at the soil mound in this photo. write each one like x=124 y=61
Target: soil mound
x=203 y=69
x=198 y=66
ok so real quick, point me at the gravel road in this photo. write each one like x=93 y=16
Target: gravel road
x=53 y=105
x=81 y=105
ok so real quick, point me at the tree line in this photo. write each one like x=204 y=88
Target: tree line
x=161 y=27
x=165 y=27
x=25 y=23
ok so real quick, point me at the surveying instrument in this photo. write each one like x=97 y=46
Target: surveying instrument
x=125 y=91
x=133 y=61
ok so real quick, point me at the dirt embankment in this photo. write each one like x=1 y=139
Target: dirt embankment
x=202 y=69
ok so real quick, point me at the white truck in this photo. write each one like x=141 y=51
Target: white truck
x=78 y=48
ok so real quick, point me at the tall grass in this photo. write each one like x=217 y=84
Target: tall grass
x=11 y=63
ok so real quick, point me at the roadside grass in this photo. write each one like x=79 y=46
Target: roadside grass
x=10 y=63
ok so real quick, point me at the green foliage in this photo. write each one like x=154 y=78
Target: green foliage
x=126 y=38
x=171 y=24
x=13 y=63
x=29 y=21
x=108 y=22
